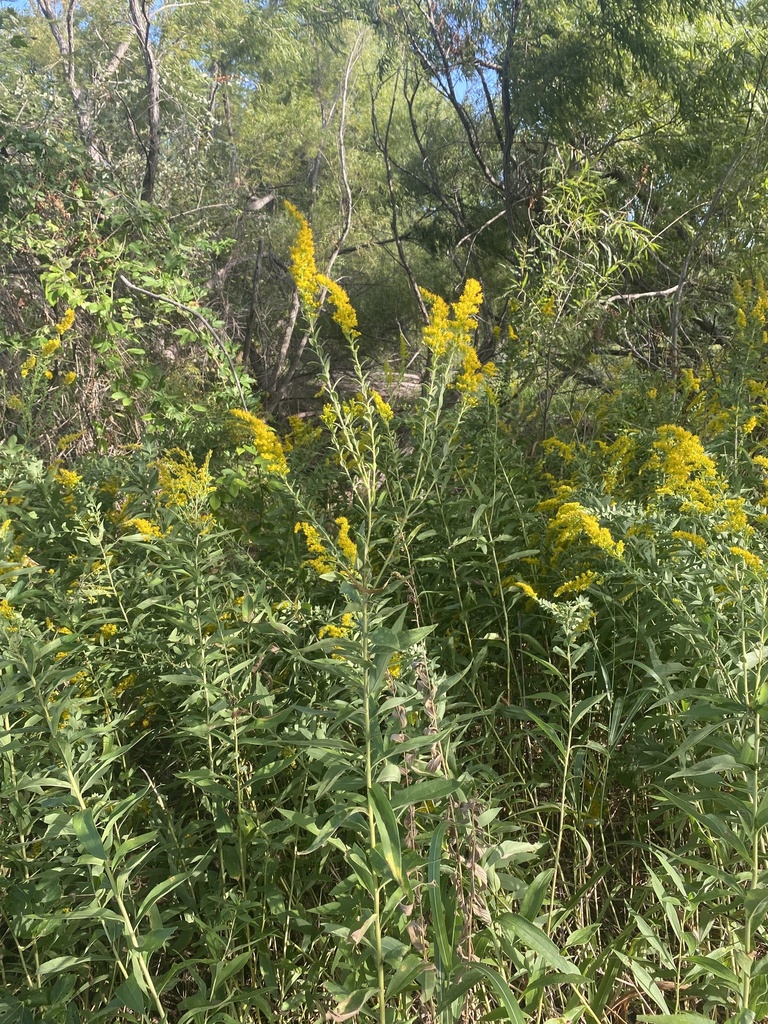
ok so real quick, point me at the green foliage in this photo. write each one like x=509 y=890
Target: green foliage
x=345 y=673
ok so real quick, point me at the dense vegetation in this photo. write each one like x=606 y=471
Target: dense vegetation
x=383 y=512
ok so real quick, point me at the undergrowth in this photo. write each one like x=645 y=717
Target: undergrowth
x=392 y=714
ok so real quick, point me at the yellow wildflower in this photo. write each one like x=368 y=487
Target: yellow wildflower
x=48 y=375
x=181 y=481
x=303 y=266
x=321 y=563
x=548 y=306
x=264 y=440
x=686 y=470
x=741 y=318
x=346 y=545
x=652 y=393
x=70 y=378
x=345 y=315
x=383 y=408
x=688 y=380
x=466 y=309
x=573 y=522
x=107 y=631
x=50 y=347
x=66 y=322
x=6 y=610
x=147 y=529
x=15 y=403
x=338 y=632
x=125 y=684
x=692 y=538
x=748 y=557
x=580 y=583
x=750 y=424
x=302 y=434
x=561 y=448
x=470 y=376
x=526 y=588
x=68 y=478
x=437 y=334
x=28 y=364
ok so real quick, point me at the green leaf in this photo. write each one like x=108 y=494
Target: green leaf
x=421 y=792
x=160 y=890
x=87 y=834
x=501 y=990
x=443 y=947
x=389 y=835
x=534 y=938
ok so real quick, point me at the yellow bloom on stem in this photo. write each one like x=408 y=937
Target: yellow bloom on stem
x=573 y=522
x=686 y=470
x=303 y=267
x=438 y=333
x=384 y=409
x=580 y=583
x=50 y=347
x=28 y=364
x=345 y=315
x=264 y=440
x=693 y=538
x=147 y=529
x=346 y=545
x=181 y=481
x=66 y=322
x=68 y=478
x=750 y=559
x=526 y=588
x=321 y=563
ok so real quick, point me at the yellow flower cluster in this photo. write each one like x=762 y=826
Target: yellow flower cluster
x=302 y=434
x=147 y=529
x=69 y=378
x=346 y=545
x=452 y=336
x=526 y=588
x=338 y=632
x=384 y=409
x=66 y=322
x=303 y=268
x=68 y=478
x=321 y=562
x=689 y=382
x=181 y=481
x=618 y=455
x=573 y=522
x=125 y=684
x=345 y=315
x=264 y=440
x=309 y=281
x=6 y=610
x=580 y=583
x=685 y=469
x=553 y=445
x=692 y=538
x=29 y=364
x=50 y=347
x=750 y=559
x=107 y=631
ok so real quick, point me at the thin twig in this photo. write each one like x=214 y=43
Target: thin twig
x=199 y=316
